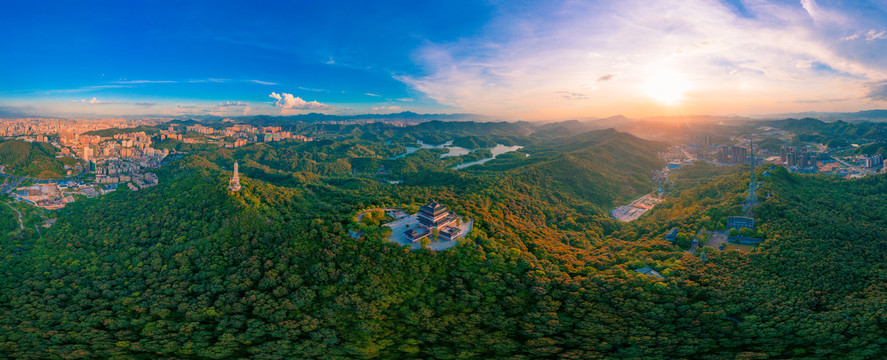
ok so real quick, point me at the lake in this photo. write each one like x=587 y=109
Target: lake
x=499 y=149
x=453 y=150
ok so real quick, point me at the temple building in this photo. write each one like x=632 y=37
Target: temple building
x=234 y=183
x=435 y=216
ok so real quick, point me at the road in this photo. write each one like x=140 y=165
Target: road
x=45 y=180
x=21 y=225
x=687 y=154
x=855 y=168
x=5 y=189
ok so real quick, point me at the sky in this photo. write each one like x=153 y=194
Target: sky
x=518 y=60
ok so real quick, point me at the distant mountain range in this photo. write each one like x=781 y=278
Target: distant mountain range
x=868 y=115
x=408 y=116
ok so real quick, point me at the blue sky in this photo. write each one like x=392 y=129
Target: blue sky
x=509 y=59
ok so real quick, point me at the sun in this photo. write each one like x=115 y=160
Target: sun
x=667 y=88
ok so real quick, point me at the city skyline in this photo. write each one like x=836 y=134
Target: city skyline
x=520 y=61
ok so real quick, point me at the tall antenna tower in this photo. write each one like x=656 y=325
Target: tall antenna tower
x=752 y=198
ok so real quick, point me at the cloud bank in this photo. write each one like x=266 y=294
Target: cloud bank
x=286 y=101
x=546 y=60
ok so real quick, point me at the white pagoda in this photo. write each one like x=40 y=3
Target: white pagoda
x=234 y=183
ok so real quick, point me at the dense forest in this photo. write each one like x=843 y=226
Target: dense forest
x=147 y=129
x=188 y=269
x=842 y=132
x=33 y=159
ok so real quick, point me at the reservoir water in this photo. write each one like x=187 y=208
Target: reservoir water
x=497 y=150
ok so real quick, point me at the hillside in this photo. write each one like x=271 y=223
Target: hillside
x=187 y=269
x=150 y=130
x=820 y=271
x=32 y=159
x=819 y=131
x=871 y=149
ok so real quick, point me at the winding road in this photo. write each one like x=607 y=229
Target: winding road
x=21 y=225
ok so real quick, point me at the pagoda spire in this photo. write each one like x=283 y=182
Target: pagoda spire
x=234 y=183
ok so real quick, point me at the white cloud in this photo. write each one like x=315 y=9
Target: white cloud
x=371 y=94
x=805 y=64
x=263 y=82
x=210 y=80
x=286 y=101
x=181 y=109
x=144 y=82
x=95 y=101
x=233 y=103
x=821 y=15
x=874 y=35
x=387 y=109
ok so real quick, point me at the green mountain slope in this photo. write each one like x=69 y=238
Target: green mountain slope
x=187 y=269
x=32 y=159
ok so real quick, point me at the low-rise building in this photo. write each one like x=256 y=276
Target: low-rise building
x=646 y=270
x=672 y=235
x=739 y=222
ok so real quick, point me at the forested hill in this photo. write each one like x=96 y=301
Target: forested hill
x=32 y=159
x=603 y=167
x=815 y=288
x=147 y=129
x=188 y=269
x=850 y=131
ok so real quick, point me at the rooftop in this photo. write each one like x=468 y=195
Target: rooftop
x=646 y=270
x=434 y=207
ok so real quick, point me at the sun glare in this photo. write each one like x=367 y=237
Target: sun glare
x=667 y=88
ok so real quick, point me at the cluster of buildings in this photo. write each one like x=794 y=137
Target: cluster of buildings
x=116 y=171
x=123 y=158
x=802 y=160
x=48 y=196
x=732 y=154
x=800 y=157
x=39 y=126
x=674 y=154
x=874 y=161
x=233 y=136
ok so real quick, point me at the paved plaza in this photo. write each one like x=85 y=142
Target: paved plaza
x=410 y=222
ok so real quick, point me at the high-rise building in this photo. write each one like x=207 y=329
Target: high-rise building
x=794 y=157
x=874 y=161
x=732 y=154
